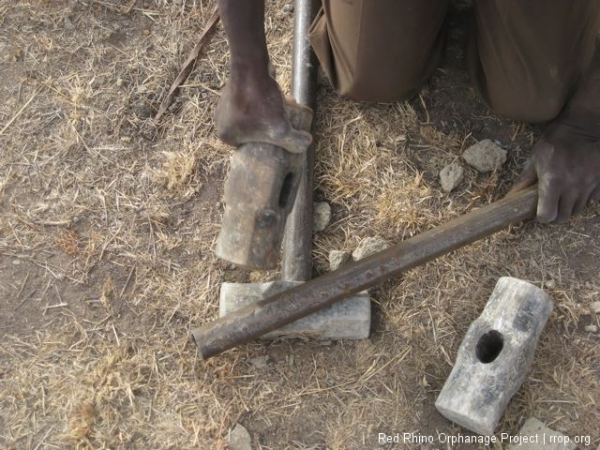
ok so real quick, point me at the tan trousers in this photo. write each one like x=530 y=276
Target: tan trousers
x=525 y=57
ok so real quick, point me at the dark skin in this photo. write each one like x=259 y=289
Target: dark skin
x=565 y=161
x=252 y=107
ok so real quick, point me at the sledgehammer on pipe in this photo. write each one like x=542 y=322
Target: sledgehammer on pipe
x=279 y=310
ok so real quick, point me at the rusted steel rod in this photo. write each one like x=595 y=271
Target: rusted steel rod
x=296 y=264
x=279 y=310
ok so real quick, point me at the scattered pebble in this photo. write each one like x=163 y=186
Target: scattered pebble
x=239 y=438
x=142 y=110
x=485 y=156
x=119 y=82
x=260 y=362
x=595 y=307
x=451 y=176
x=368 y=246
x=591 y=328
x=288 y=8
x=337 y=259
x=126 y=139
x=322 y=215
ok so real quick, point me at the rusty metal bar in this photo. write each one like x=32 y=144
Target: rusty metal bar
x=281 y=309
x=297 y=243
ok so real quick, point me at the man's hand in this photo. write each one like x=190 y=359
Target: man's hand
x=566 y=160
x=566 y=164
x=255 y=111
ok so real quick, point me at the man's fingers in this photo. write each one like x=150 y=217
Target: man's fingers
x=527 y=178
x=595 y=197
x=549 y=194
x=566 y=205
x=582 y=202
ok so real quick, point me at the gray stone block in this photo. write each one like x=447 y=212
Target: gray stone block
x=239 y=438
x=347 y=319
x=485 y=156
x=337 y=259
x=494 y=356
x=369 y=246
x=451 y=176
x=535 y=435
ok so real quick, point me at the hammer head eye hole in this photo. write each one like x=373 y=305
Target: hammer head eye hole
x=286 y=190
x=489 y=346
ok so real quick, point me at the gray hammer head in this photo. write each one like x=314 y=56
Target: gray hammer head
x=348 y=319
x=259 y=194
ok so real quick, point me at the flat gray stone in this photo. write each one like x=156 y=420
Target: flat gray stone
x=260 y=362
x=346 y=319
x=239 y=438
x=591 y=328
x=322 y=215
x=451 y=176
x=595 y=307
x=337 y=259
x=369 y=246
x=535 y=435
x=485 y=156
x=494 y=356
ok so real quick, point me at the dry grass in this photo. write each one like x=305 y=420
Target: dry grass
x=108 y=229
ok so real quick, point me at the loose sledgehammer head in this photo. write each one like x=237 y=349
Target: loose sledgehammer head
x=494 y=356
x=259 y=194
x=348 y=319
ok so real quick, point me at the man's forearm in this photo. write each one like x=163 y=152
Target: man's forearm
x=244 y=25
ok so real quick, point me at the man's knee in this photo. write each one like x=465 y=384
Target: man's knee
x=521 y=106
x=379 y=51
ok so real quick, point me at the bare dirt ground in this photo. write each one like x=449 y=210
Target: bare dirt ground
x=109 y=221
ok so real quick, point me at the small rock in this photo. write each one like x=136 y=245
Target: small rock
x=260 y=362
x=126 y=139
x=451 y=176
x=142 y=110
x=69 y=25
x=535 y=435
x=368 y=246
x=591 y=328
x=485 y=156
x=239 y=438
x=288 y=8
x=119 y=82
x=595 y=307
x=322 y=215
x=337 y=259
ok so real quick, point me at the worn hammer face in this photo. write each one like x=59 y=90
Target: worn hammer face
x=259 y=194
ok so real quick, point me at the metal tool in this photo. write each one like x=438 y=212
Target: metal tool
x=274 y=312
x=266 y=184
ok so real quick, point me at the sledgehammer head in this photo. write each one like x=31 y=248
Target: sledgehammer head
x=259 y=195
x=348 y=319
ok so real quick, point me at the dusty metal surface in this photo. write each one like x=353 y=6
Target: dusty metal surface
x=259 y=194
x=297 y=245
x=283 y=308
